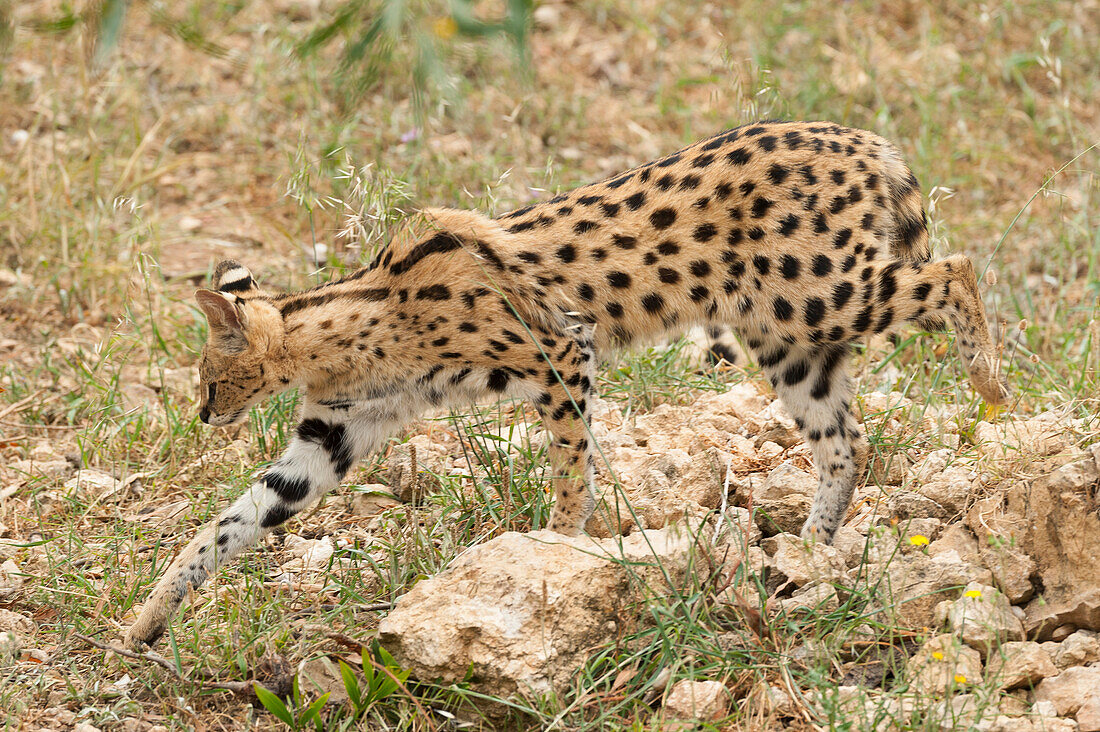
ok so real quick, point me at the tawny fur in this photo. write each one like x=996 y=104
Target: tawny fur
x=801 y=237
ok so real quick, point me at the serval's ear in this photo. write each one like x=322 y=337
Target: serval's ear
x=234 y=277
x=221 y=310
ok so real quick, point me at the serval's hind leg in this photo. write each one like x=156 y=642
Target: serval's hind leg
x=813 y=384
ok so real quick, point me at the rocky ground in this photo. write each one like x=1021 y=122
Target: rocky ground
x=987 y=565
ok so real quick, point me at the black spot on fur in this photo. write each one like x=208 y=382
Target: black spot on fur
x=788 y=225
x=619 y=280
x=815 y=311
x=433 y=292
x=441 y=242
x=498 y=380
x=777 y=173
x=662 y=218
x=290 y=490
x=668 y=275
x=842 y=293
x=653 y=302
x=700 y=268
x=704 y=232
x=740 y=156
x=790 y=267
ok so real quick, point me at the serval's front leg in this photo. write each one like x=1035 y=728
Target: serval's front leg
x=323 y=450
x=566 y=405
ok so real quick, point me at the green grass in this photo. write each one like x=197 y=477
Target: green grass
x=275 y=155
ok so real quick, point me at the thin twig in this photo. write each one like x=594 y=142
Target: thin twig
x=363 y=608
x=244 y=688
x=12 y=408
x=29 y=426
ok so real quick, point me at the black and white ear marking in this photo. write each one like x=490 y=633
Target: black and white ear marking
x=220 y=309
x=232 y=276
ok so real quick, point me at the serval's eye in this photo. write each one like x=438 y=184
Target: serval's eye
x=210 y=392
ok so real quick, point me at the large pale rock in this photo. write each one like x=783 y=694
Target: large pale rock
x=983 y=618
x=782 y=500
x=1045 y=434
x=802 y=562
x=1088 y=715
x=697 y=700
x=950 y=487
x=520 y=613
x=944 y=663
x=958 y=539
x=1019 y=664
x=1069 y=690
x=1079 y=649
x=904 y=505
x=917 y=583
x=655 y=490
x=1062 y=536
x=1012 y=571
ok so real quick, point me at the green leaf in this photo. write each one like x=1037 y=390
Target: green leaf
x=274 y=705
x=351 y=685
x=111 y=18
x=313 y=710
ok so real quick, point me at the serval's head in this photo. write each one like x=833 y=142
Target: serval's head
x=243 y=359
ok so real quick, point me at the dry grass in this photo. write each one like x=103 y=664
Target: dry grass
x=122 y=183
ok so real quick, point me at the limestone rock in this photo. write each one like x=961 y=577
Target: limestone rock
x=372 y=499
x=735 y=528
x=904 y=505
x=1079 y=649
x=705 y=701
x=931 y=466
x=93 y=483
x=983 y=618
x=917 y=583
x=1088 y=715
x=11 y=578
x=817 y=596
x=803 y=562
x=782 y=501
x=20 y=624
x=322 y=676
x=851 y=545
x=11 y=647
x=1019 y=664
x=1012 y=572
x=1045 y=434
x=520 y=613
x=950 y=488
x=1069 y=690
x=944 y=663
x=956 y=538
x=1053 y=520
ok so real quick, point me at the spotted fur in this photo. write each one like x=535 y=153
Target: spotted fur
x=801 y=237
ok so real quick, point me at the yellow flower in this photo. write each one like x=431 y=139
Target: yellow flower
x=975 y=594
x=444 y=28
x=937 y=655
x=960 y=679
x=918 y=540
